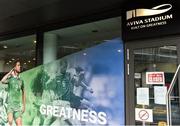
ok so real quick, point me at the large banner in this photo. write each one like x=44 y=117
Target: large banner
x=85 y=88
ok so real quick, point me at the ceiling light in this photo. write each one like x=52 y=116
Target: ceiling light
x=29 y=61
x=69 y=47
x=7 y=63
x=34 y=58
x=35 y=41
x=84 y=54
x=5 y=47
x=119 y=50
x=10 y=61
x=24 y=63
x=13 y=59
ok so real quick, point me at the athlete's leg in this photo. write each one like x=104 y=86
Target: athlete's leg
x=10 y=118
x=88 y=104
x=19 y=121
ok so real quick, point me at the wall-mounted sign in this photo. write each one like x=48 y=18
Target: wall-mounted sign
x=144 y=115
x=155 y=78
x=147 y=22
x=141 y=12
x=149 y=19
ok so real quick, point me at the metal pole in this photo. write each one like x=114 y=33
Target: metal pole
x=168 y=98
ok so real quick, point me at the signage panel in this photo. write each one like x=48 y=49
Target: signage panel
x=146 y=19
x=75 y=90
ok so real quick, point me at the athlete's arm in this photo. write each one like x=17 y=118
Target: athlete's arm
x=82 y=83
x=24 y=101
x=4 y=79
x=86 y=87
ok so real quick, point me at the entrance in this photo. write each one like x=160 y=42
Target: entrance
x=150 y=68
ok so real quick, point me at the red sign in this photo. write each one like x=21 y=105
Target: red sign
x=155 y=78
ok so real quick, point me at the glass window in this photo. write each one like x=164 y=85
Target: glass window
x=62 y=42
x=84 y=68
x=160 y=59
x=22 y=49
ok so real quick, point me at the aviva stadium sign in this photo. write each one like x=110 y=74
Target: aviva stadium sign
x=148 y=19
x=143 y=18
x=148 y=12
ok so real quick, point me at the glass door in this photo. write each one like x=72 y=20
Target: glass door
x=150 y=71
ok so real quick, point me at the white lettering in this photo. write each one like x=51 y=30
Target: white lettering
x=43 y=109
x=84 y=115
x=49 y=110
x=76 y=114
x=92 y=117
x=102 y=118
x=62 y=112
x=69 y=112
x=55 y=110
x=132 y=23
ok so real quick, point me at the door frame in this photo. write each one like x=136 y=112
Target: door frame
x=129 y=68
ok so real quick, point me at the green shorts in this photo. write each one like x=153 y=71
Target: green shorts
x=15 y=110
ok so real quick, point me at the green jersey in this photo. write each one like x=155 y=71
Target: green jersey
x=64 y=87
x=15 y=88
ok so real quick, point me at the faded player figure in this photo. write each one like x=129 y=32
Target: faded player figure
x=16 y=92
x=66 y=81
x=3 y=114
x=4 y=95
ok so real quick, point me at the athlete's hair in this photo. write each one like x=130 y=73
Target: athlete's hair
x=15 y=62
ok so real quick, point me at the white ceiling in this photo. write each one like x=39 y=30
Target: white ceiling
x=107 y=29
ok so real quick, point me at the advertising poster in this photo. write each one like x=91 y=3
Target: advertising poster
x=85 y=88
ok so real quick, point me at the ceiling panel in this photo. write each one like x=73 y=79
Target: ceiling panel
x=20 y=15
x=10 y=8
x=105 y=29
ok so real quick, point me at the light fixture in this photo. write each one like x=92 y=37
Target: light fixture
x=25 y=63
x=119 y=50
x=69 y=47
x=29 y=61
x=7 y=63
x=84 y=54
x=35 y=41
x=5 y=47
x=12 y=59
x=34 y=58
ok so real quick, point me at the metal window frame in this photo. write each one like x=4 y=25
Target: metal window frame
x=129 y=68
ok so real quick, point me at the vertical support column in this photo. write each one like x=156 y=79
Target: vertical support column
x=50 y=48
x=39 y=48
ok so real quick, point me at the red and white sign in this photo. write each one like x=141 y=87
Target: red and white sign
x=144 y=115
x=155 y=78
